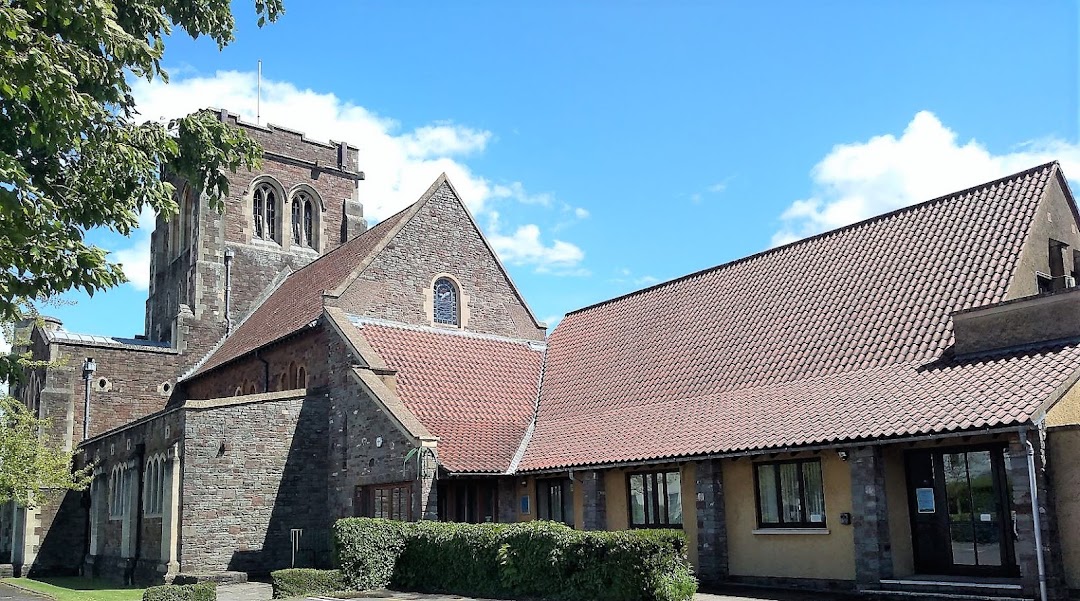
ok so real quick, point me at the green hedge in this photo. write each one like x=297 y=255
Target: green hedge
x=202 y=591
x=306 y=582
x=527 y=560
x=367 y=549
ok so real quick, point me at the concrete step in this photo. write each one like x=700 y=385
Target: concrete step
x=950 y=589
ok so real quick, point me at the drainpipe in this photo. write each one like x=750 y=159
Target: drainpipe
x=1037 y=518
x=228 y=290
x=89 y=367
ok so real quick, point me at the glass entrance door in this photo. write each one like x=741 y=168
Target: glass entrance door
x=960 y=511
x=975 y=513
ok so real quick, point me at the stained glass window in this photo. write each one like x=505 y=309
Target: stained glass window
x=446 y=302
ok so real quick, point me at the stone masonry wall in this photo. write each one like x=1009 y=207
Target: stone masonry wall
x=130 y=446
x=397 y=282
x=129 y=383
x=307 y=350
x=192 y=272
x=253 y=472
x=365 y=447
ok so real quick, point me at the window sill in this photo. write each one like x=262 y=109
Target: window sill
x=790 y=531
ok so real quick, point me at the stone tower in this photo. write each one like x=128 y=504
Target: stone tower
x=209 y=269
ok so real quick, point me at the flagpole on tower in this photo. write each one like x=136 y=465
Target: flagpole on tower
x=258 y=98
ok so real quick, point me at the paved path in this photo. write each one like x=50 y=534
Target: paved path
x=10 y=593
x=741 y=594
x=247 y=591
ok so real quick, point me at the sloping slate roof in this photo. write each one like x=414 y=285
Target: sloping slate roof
x=476 y=393
x=298 y=300
x=819 y=340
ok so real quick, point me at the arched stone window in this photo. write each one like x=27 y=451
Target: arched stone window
x=301 y=377
x=119 y=487
x=264 y=211
x=154 y=487
x=445 y=302
x=292 y=376
x=305 y=213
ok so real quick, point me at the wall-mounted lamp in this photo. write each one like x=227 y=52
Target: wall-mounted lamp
x=842 y=454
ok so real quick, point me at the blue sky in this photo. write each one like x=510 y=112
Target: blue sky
x=607 y=146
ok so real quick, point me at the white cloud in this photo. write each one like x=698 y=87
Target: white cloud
x=517 y=192
x=625 y=276
x=135 y=258
x=858 y=180
x=524 y=247
x=719 y=187
x=399 y=164
x=581 y=213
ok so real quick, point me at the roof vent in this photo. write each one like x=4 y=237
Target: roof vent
x=1016 y=323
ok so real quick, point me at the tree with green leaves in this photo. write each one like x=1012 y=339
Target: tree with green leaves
x=30 y=467
x=74 y=156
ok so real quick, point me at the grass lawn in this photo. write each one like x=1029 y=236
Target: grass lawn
x=78 y=589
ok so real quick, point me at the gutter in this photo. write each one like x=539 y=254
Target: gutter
x=770 y=451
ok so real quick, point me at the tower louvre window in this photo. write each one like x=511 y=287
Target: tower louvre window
x=264 y=212
x=303 y=220
x=296 y=221
x=308 y=222
x=257 y=213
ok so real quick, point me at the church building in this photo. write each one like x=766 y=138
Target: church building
x=889 y=406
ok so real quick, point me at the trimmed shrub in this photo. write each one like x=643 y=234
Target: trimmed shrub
x=526 y=560
x=367 y=549
x=202 y=591
x=306 y=582
x=444 y=557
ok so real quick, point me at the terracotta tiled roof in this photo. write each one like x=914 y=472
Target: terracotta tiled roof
x=299 y=299
x=819 y=340
x=476 y=393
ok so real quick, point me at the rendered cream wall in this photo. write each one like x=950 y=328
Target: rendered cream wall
x=818 y=556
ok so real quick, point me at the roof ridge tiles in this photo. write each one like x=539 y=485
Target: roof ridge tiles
x=865 y=222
